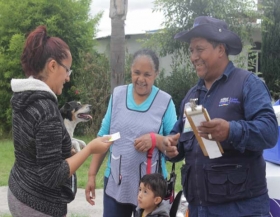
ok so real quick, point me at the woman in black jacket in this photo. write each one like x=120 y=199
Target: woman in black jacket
x=42 y=180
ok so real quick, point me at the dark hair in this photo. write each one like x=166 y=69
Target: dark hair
x=216 y=43
x=156 y=183
x=39 y=48
x=149 y=53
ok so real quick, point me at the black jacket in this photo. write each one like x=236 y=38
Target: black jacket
x=40 y=175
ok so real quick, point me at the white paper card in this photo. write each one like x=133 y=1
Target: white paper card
x=114 y=136
x=210 y=146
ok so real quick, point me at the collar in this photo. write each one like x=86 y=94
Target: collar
x=20 y=85
x=228 y=70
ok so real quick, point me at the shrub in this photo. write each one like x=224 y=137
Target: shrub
x=93 y=87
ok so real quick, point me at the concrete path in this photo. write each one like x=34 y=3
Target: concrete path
x=77 y=208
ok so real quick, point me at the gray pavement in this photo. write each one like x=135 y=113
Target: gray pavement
x=77 y=208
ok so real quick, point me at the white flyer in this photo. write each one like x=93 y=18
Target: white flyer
x=114 y=136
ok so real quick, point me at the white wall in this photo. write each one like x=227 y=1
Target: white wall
x=132 y=44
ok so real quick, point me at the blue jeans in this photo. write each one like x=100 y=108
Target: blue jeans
x=253 y=207
x=112 y=208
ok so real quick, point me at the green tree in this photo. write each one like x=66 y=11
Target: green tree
x=270 y=53
x=94 y=89
x=177 y=84
x=179 y=15
x=118 y=10
x=67 y=19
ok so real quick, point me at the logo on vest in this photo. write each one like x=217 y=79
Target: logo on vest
x=228 y=100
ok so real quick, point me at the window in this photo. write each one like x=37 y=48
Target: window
x=254 y=59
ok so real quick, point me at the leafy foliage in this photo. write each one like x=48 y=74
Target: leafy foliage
x=67 y=19
x=179 y=15
x=93 y=87
x=127 y=68
x=270 y=58
x=177 y=83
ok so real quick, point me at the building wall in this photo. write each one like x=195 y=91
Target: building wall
x=133 y=43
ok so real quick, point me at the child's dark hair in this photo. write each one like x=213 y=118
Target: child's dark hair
x=156 y=183
x=148 y=53
x=39 y=48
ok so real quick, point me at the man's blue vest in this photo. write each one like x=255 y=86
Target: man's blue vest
x=235 y=175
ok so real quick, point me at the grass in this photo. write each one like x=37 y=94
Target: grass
x=7 y=160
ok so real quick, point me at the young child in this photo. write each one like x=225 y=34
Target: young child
x=152 y=190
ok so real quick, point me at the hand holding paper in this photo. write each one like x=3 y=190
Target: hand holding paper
x=218 y=128
x=196 y=115
x=114 y=136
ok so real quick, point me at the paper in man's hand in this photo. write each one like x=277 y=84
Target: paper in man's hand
x=195 y=116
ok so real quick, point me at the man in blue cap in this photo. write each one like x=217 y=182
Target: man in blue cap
x=243 y=121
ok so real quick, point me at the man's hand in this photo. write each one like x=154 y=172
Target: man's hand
x=216 y=129
x=170 y=145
